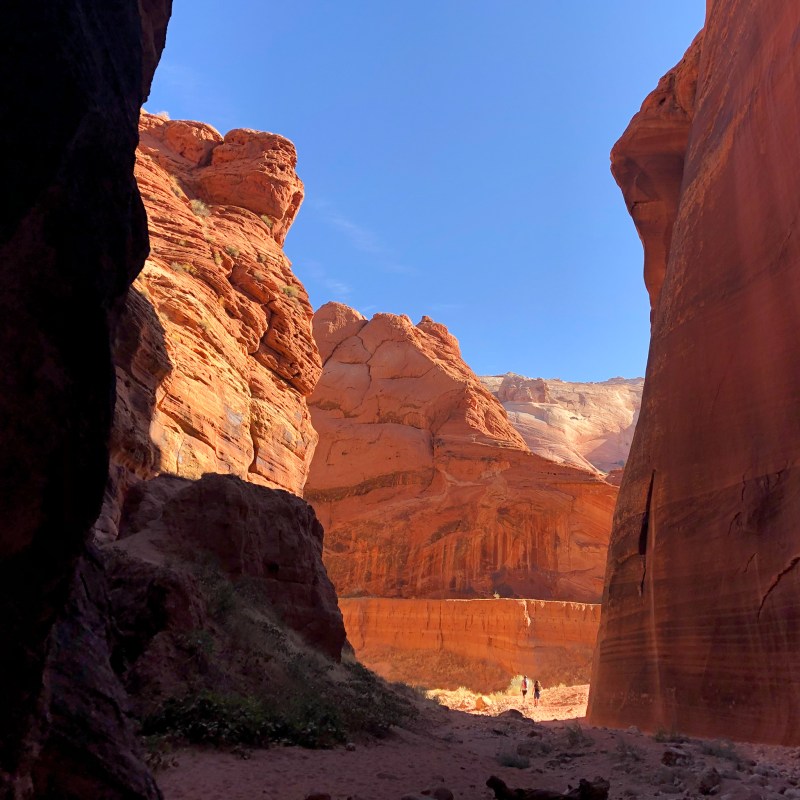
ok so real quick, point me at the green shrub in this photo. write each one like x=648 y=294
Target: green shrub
x=211 y=718
x=230 y=719
x=232 y=250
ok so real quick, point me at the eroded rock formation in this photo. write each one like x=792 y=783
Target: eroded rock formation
x=215 y=356
x=480 y=644
x=250 y=532
x=587 y=425
x=700 y=629
x=423 y=486
x=72 y=237
x=648 y=161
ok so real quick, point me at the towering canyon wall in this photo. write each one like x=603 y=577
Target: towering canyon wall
x=215 y=356
x=480 y=644
x=72 y=237
x=700 y=628
x=586 y=425
x=423 y=486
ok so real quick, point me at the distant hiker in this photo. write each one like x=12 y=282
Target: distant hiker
x=524 y=687
x=537 y=692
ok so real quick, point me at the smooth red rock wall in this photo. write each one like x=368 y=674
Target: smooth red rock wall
x=701 y=621
x=480 y=644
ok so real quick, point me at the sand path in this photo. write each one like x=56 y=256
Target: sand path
x=460 y=749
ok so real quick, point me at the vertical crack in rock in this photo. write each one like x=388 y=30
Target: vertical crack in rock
x=645 y=531
x=792 y=564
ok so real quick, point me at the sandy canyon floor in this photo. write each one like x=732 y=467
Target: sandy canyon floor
x=458 y=746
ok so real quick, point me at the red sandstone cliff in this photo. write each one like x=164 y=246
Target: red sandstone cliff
x=588 y=425
x=480 y=644
x=215 y=356
x=701 y=620
x=214 y=360
x=423 y=486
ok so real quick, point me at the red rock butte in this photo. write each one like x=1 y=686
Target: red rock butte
x=425 y=489
x=700 y=628
x=423 y=486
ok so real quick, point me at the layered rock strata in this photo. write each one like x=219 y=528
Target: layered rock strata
x=587 y=425
x=73 y=236
x=700 y=630
x=216 y=356
x=423 y=486
x=480 y=644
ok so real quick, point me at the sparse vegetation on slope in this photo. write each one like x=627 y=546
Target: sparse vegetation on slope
x=246 y=680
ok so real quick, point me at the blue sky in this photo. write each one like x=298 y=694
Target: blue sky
x=455 y=157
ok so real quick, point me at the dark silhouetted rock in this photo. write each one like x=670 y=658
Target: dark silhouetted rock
x=72 y=238
x=251 y=531
x=586 y=790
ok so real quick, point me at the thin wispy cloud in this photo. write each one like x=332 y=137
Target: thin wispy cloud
x=441 y=308
x=338 y=288
x=362 y=239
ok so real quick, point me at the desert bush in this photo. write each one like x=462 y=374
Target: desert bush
x=672 y=737
x=247 y=680
x=629 y=752
x=199 y=208
x=183 y=266
x=232 y=250
x=175 y=185
x=508 y=758
x=268 y=221
x=290 y=291
x=211 y=718
x=721 y=748
x=198 y=642
x=576 y=736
